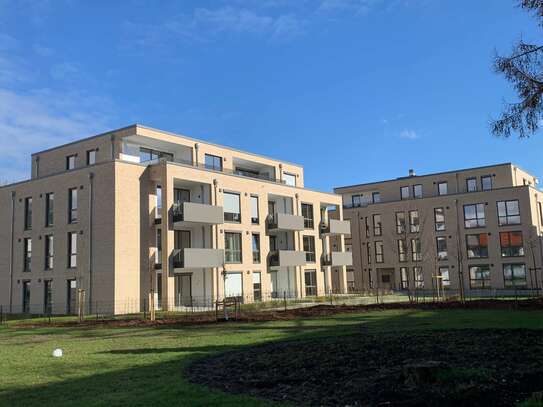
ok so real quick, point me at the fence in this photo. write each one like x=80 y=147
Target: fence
x=185 y=306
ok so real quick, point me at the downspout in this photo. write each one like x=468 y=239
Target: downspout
x=113 y=147
x=91 y=208
x=459 y=254
x=196 y=147
x=215 y=182
x=359 y=248
x=37 y=166
x=11 y=251
x=298 y=269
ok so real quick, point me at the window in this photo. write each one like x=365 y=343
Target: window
x=26 y=297
x=508 y=213
x=471 y=184
x=540 y=207
x=486 y=183
x=417 y=191
x=367 y=223
x=310 y=282
x=213 y=162
x=514 y=275
x=474 y=216
x=404 y=192
x=27 y=260
x=377 y=226
x=28 y=213
x=256 y=248
x=368 y=252
x=72 y=205
x=511 y=244
x=72 y=250
x=404 y=278
x=414 y=224
x=439 y=219
x=257 y=286
x=479 y=276
x=419 y=277
x=47 y=297
x=379 y=257
x=376 y=197
x=442 y=188
x=356 y=200
x=91 y=157
x=445 y=277
x=307 y=213
x=441 y=244
x=71 y=296
x=402 y=250
x=400 y=222
x=289 y=179
x=309 y=248
x=158 y=257
x=49 y=209
x=232 y=207
x=255 y=218
x=477 y=246
x=49 y=252
x=70 y=162
x=416 y=254
x=158 y=201
x=232 y=246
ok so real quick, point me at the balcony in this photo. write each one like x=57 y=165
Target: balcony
x=337 y=259
x=282 y=222
x=286 y=258
x=197 y=213
x=191 y=258
x=336 y=227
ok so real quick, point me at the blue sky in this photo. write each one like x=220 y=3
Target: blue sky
x=354 y=90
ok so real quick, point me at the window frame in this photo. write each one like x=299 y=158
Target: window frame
x=416 y=243
x=309 y=222
x=480 y=222
x=479 y=246
x=377 y=225
x=400 y=228
x=72 y=250
x=486 y=282
x=73 y=209
x=403 y=196
x=27 y=254
x=49 y=209
x=213 y=166
x=233 y=251
x=508 y=251
x=257 y=258
x=483 y=177
x=69 y=159
x=506 y=281
x=255 y=221
x=379 y=254
x=415 y=194
x=402 y=251
x=414 y=227
x=49 y=252
x=310 y=255
x=226 y=214
x=376 y=194
x=439 y=226
x=474 y=180
x=446 y=251
x=91 y=154
x=439 y=184
x=28 y=213
x=507 y=215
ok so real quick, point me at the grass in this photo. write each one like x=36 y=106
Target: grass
x=144 y=366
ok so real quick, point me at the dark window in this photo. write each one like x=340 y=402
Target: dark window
x=441 y=243
x=28 y=213
x=158 y=257
x=416 y=252
x=442 y=188
x=257 y=286
x=256 y=248
x=376 y=197
x=49 y=252
x=232 y=246
x=356 y=200
x=309 y=248
x=414 y=222
x=477 y=246
x=47 y=297
x=471 y=184
x=402 y=250
x=146 y=155
x=417 y=191
x=486 y=183
x=404 y=192
x=307 y=213
x=474 y=216
x=26 y=297
x=213 y=162
x=72 y=205
x=479 y=276
x=255 y=218
x=400 y=222
x=368 y=252
x=71 y=296
x=72 y=250
x=27 y=260
x=508 y=213
x=49 y=209
x=439 y=219
x=511 y=244
x=514 y=275
x=379 y=255
x=310 y=282
x=232 y=211
x=91 y=157
x=377 y=226
x=70 y=162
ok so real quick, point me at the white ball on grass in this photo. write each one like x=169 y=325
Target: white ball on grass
x=57 y=353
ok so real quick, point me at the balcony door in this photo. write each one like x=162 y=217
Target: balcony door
x=181 y=195
x=183 y=290
x=181 y=241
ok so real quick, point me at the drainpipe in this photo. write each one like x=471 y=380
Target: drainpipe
x=459 y=254
x=113 y=147
x=216 y=269
x=298 y=269
x=91 y=207
x=196 y=147
x=11 y=251
x=37 y=166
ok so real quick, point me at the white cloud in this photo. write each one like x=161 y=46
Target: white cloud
x=409 y=135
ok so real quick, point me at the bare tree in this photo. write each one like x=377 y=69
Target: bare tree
x=523 y=68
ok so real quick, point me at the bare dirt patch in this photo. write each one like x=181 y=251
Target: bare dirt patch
x=437 y=368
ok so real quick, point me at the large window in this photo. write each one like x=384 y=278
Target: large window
x=376 y=197
x=49 y=209
x=309 y=248
x=471 y=184
x=404 y=278
x=27 y=252
x=377 y=226
x=416 y=250
x=146 y=155
x=414 y=222
x=356 y=200
x=232 y=211
x=417 y=191
x=474 y=216
x=255 y=218
x=511 y=244
x=441 y=244
x=47 y=297
x=508 y=213
x=49 y=252
x=400 y=222
x=402 y=250
x=439 y=219
x=442 y=188
x=419 y=277
x=72 y=205
x=514 y=275
x=290 y=179
x=232 y=247
x=486 y=183
x=72 y=250
x=310 y=282
x=256 y=248
x=479 y=276
x=477 y=246
x=257 y=286
x=91 y=157
x=307 y=213
x=26 y=297
x=379 y=255
x=213 y=162
x=70 y=162
x=28 y=213
x=404 y=192
x=445 y=277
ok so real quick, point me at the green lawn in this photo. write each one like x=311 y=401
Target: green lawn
x=144 y=366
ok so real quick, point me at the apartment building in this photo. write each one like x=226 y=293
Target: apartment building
x=138 y=210
x=466 y=230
